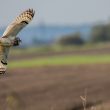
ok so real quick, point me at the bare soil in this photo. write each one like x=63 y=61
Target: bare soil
x=54 y=88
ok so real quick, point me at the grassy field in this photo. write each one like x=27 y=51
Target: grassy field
x=56 y=80
x=61 y=60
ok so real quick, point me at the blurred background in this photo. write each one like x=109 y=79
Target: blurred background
x=64 y=59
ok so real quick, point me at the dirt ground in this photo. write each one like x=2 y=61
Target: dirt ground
x=54 y=88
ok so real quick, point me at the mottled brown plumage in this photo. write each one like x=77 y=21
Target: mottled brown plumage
x=9 y=36
x=20 y=22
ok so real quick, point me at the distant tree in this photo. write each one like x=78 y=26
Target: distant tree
x=73 y=39
x=101 y=33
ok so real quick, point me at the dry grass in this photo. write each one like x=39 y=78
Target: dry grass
x=84 y=99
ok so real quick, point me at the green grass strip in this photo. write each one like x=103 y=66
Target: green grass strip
x=61 y=60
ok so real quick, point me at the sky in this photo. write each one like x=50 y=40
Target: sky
x=57 y=12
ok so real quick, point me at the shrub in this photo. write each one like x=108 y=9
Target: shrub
x=73 y=39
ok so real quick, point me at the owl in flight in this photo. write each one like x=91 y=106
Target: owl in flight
x=9 y=37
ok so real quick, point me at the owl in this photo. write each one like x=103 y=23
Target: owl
x=9 y=37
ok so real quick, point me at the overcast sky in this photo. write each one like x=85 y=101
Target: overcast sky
x=71 y=12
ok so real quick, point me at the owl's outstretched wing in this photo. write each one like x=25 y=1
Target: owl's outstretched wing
x=11 y=31
x=19 y=23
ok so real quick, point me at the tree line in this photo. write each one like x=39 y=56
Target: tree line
x=99 y=33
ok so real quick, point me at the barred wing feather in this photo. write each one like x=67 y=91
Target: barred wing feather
x=19 y=23
x=12 y=30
